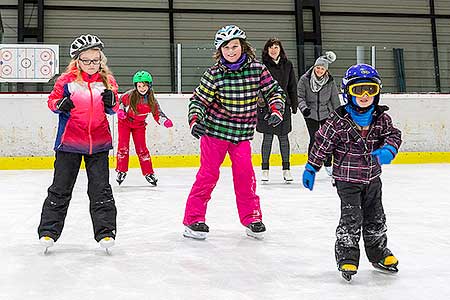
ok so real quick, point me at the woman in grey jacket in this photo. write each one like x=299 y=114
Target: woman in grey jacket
x=318 y=97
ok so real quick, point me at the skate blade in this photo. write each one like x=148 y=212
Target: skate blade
x=384 y=269
x=255 y=235
x=348 y=275
x=196 y=235
x=288 y=181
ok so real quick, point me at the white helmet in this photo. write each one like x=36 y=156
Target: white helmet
x=228 y=33
x=84 y=42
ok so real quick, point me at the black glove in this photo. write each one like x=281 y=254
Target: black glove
x=197 y=130
x=275 y=118
x=109 y=99
x=306 y=112
x=294 y=109
x=65 y=104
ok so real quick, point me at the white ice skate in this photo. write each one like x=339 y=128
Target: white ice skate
x=329 y=170
x=265 y=176
x=107 y=243
x=287 y=176
x=47 y=242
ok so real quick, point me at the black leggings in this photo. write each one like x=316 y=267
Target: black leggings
x=266 y=148
x=313 y=126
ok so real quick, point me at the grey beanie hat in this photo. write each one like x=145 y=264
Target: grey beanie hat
x=325 y=60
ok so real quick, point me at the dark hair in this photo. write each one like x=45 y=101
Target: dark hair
x=135 y=97
x=270 y=43
x=246 y=48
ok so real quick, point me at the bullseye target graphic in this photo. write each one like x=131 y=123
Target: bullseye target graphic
x=6 y=55
x=28 y=62
x=45 y=70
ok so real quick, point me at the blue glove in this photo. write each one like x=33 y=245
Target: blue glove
x=309 y=175
x=385 y=154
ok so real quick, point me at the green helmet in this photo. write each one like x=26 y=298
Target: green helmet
x=142 y=76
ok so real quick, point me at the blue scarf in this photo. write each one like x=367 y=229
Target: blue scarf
x=362 y=119
x=236 y=65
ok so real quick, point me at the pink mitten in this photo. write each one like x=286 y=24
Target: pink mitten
x=168 y=123
x=121 y=114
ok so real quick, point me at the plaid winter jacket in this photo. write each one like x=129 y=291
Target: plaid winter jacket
x=225 y=102
x=352 y=159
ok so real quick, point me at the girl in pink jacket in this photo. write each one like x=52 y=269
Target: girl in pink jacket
x=82 y=96
x=135 y=106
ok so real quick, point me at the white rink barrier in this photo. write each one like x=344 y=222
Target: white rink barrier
x=28 y=127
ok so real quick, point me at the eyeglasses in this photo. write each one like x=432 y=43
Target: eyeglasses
x=87 y=62
x=364 y=88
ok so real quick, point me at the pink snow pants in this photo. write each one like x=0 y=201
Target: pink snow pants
x=137 y=129
x=212 y=154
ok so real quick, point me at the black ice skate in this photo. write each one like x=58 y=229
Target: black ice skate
x=151 y=178
x=256 y=230
x=388 y=264
x=348 y=270
x=197 y=231
x=121 y=177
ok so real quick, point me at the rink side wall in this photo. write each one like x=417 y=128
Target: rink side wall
x=28 y=128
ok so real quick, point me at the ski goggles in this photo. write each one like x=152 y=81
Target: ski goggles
x=364 y=88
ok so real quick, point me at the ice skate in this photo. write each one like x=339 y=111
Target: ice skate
x=197 y=231
x=287 y=176
x=47 y=242
x=265 y=176
x=121 y=177
x=107 y=243
x=256 y=230
x=388 y=264
x=152 y=179
x=347 y=271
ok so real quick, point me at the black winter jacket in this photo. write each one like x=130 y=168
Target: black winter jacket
x=283 y=72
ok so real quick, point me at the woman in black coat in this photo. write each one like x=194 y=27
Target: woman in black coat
x=282 y=70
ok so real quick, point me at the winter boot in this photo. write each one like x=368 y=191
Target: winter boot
x=152 y=179
x=348 y=270
x=265 y=175
x=256 y=230
x=121 y=177
x=287 y=176
x=47 y=242
x=388 y=264
x=197 y=231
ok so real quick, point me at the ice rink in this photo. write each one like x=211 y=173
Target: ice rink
x=152 y=260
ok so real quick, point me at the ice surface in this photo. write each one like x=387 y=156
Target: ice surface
x=152 y=260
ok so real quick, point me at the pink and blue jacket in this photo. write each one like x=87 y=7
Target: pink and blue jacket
x=85 y=129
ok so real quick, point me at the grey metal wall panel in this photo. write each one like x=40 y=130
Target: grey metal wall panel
x=379 y=6
x=132 y=41
x=286 y=5
x=413 y=35
x=443 y=37
x=196 y=34
x=111 y=3
x=9 y=19
x=442 y=7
